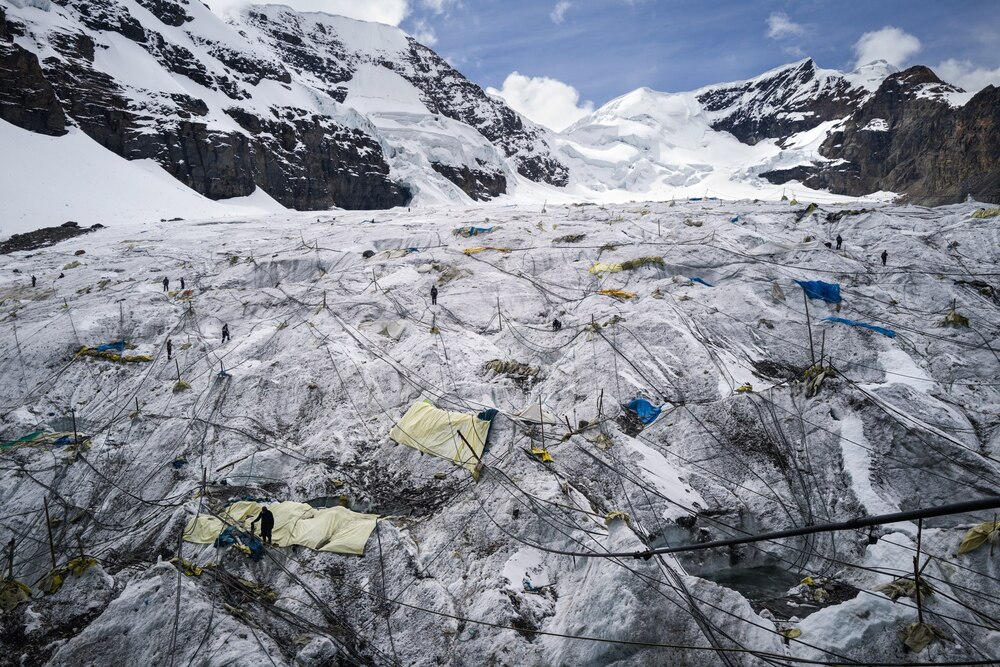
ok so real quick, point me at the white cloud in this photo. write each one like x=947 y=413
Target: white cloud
x=391 y=12
x=438 y=6
x=546 y=101
x=779 y=26
x=965 y=75
x=889 y=43
x=558 y=14
x=423 y=33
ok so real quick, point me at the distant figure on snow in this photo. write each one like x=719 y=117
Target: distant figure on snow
x=556 y=325
x=182 y=281
x=166 y=284
x=434 y=295
x=528 y=586
x=840 y=241
x=34 y=281
x=170 y=350
x=225 y=333
x=885 y=256
x=266 y=524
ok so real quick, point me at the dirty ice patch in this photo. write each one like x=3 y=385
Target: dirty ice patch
x=526 y=563
x=900 y=368
x=864 y=621
x=856 y=451
x=666 y=479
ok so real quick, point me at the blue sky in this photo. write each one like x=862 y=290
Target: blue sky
x=553 y=60
x=605 y=48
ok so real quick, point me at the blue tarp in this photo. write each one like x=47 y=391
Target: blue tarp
x=817 y=289
x=117 y=347
x=647 y=411
x=704 y=282
x=854 y=323
x=476 y=231
x=735 y=218
x=232 y=535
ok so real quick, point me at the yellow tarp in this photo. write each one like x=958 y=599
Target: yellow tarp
x=335 y=529
x=430 y=429
x=617 y=293
x=478 y=249
x=980 y=535
x=605 y=267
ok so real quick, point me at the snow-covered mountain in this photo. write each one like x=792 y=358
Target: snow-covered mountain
x=318 y=110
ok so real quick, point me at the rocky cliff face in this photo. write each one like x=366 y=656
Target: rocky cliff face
x=787 y=100
x=226 y=108
x=912 y=137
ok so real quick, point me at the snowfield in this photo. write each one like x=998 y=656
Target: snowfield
x=299 y=403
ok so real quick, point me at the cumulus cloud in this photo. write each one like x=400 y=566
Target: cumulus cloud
x=391 y=12
x=965 y=75
x=423 y=33
x=779 y=26
x=890 y=44
x=546 y=101
x=558 y=14
x=438 y=6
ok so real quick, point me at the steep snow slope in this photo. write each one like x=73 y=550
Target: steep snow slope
x=73 y=178
x=311 y=390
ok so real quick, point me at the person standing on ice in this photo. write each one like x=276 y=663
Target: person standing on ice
x=556 y=325
x=166 y=283
x=266 y=524
x=34 y=281
x=839 y=241
x=170 y=349
x=885 y=256
x=225 y=332
x=182 y=280
x=434 y=295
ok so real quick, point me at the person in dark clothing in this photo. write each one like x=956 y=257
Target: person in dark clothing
x=556 y=325
x=266 y=524
x=182 y=283
x=839 y=241
x=434 y=295
x=225 y=332
x=34 y=281
x=885 y=256
x=166 y=284
x=170 y=349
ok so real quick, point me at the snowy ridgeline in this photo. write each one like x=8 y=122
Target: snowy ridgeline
x=329 y=349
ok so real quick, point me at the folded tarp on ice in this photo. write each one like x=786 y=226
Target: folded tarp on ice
x=647 y=411
x=605 y=267
x=391 y=328
x=696 y=279
x=112 y=347
x=335 y=529
x=430 y=429
x=817 y=289
x=854 y=323
x=472 y=231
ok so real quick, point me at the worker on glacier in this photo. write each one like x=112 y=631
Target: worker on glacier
x=839 y=241
x=885 y=256
x=225 y=332
x=434 y=295
x=166 y=283
x=266 y=524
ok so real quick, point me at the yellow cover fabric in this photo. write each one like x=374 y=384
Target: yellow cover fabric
x=203 y=529
x=430 y=429
x=333 y=529
x=605 y=267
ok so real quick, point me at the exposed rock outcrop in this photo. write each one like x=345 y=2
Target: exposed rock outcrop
x=909 y=138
